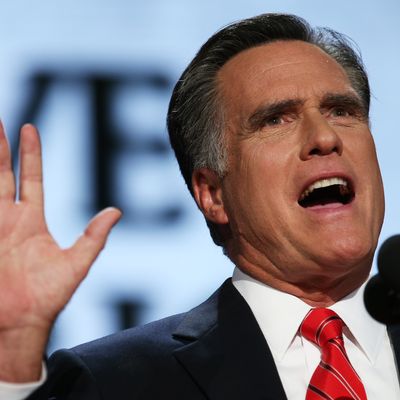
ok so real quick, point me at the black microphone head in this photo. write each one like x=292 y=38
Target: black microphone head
x=382 y=302
x=389 y=262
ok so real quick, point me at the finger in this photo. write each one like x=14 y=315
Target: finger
x=88 y=246
x=7 y=181
x=31 y=179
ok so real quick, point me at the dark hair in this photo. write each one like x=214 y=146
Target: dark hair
x=195 y=118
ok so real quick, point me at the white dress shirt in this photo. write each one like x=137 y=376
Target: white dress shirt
x=367 y=343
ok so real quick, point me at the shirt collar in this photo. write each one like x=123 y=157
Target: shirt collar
x=280 y=314
x=367 y=333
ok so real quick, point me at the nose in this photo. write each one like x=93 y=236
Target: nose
x=320 y=138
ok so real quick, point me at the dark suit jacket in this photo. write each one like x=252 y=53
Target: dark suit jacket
x=215 y=351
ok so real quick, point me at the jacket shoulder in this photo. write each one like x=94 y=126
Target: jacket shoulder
x=139 y=361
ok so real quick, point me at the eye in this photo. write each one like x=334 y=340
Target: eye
x=340 y=112
x=279 y=119
x=274 y=120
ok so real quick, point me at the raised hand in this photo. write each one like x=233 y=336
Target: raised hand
x=37 y=277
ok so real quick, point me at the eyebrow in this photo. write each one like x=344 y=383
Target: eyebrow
x=348 y=100
x=269 y=110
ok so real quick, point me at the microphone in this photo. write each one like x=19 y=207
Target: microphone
x=382 y=292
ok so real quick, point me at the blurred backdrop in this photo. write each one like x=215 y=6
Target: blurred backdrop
x=96 y=77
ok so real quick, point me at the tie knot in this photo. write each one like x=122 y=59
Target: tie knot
x=321 y=325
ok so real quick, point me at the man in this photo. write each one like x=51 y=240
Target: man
x=270 y=127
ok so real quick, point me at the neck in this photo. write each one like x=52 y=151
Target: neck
x=317 y=292
x=316 y=285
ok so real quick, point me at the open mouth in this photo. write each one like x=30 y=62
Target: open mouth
x=329 y=191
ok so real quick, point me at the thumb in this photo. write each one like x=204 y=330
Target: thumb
x=92 y=241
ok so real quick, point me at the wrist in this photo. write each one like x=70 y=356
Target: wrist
x=21 y=354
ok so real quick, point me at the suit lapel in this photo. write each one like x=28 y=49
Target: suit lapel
x=227 y=354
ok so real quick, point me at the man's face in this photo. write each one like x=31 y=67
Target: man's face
x=294 y=123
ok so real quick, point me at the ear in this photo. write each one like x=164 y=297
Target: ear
x=207 y=191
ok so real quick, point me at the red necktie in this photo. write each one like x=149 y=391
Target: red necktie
x=334 y=378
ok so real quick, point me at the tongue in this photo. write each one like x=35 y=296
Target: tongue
x=325 y=206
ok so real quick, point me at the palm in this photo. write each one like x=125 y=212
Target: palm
x=37 y=277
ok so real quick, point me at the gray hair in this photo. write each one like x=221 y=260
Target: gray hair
x=195 y=116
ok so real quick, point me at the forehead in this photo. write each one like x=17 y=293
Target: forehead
x=277 y=71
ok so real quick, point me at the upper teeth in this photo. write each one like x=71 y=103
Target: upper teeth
x=321 y=184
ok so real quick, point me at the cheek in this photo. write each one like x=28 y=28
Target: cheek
x=371 y=180
x=260 y=185
x=369 y=165
x=359 y=149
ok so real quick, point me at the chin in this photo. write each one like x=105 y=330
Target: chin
x=352 y=252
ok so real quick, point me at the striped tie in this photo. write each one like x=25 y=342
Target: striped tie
x=334 y=378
